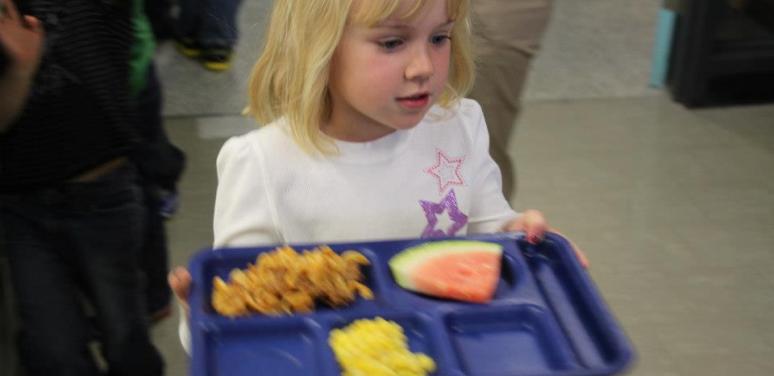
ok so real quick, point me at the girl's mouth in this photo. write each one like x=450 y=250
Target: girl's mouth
x=415 y=101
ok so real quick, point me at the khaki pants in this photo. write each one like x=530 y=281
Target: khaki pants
x=507 y=35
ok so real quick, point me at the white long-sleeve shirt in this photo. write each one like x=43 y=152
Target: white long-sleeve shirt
x=433 y=180
x=436 y=179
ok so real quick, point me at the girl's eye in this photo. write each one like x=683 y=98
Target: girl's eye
x=440 y=39
x=391 y=44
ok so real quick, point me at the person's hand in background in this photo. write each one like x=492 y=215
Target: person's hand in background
x=21 y=44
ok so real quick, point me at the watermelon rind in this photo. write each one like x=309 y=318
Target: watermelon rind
x=403 y=264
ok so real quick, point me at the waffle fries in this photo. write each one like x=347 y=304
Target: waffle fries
x=284 y=281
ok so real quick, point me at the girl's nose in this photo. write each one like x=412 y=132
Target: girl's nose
x=421 y=65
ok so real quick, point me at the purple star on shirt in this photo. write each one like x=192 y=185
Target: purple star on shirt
x=432 y=210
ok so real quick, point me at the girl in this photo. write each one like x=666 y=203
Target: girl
x=367 y=136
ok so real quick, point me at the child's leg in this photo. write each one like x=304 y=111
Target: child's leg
x=188 y=25
x=160 y=16
x=55 y=331
x=219 y=23
x=219 y=32
x=107 y=236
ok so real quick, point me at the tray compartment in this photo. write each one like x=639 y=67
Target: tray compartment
x=289 y=346
x=580 y=311
x=514 y=285
x=509 y=340
x=421 y=333
x=224 y=261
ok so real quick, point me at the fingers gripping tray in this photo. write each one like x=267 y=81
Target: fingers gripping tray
x=546 y=318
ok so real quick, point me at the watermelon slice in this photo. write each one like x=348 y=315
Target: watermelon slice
x=454 y=269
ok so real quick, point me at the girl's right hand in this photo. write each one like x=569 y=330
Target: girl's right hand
x=180 y=282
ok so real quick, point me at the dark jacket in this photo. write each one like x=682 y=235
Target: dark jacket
x=79 y=114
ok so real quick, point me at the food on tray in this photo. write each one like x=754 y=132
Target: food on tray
x=283 y=281
x=377 y=347
x=454 y=269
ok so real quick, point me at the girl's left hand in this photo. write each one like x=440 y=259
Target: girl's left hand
x=534 y=225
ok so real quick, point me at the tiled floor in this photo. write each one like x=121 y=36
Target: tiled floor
x=595 y=49
x=675 y=209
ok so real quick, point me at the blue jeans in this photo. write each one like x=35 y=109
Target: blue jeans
x=211 y=23
x=76 y=241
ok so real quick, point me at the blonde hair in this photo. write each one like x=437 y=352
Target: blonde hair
x=290 y=78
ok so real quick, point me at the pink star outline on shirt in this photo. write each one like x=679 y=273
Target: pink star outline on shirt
x=446 y=170
x=432 y=210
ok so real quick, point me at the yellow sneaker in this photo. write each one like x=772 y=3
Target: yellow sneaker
x=188 y=48
x=216 y=59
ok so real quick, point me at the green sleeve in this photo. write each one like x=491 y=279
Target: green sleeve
x=142 y=49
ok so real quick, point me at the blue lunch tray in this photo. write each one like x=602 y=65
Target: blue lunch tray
x=547 y=318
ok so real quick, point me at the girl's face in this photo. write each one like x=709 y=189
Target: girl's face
x=386 y=77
